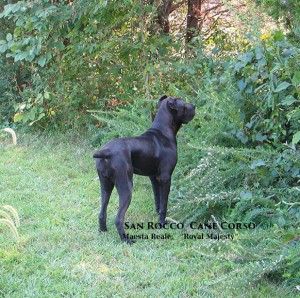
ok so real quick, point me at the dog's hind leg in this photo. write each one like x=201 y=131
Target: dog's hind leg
x=124 y=188
x=106 y=190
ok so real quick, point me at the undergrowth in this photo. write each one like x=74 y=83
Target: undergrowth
x=246 y=185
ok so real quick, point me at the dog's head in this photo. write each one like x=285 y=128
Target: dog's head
x=182 y=112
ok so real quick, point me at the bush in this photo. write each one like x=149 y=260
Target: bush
x=268 y=81
x=8 y=92
x=287 y=12
x=245 y=185
x=123 y=121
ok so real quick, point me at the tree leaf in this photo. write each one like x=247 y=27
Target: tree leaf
x=46 y=95
x=296 y=78
x=9 y=37
x=246 y=194
x=3 y=48
x=18 y=117
x=257 y=163
x=20 y=56
x=288 y=52
x=7 y=10
x=259 y=53
x=42 y=115
x=282 y=86
x=242 y=84
x=296 y=138
x=260 y=137
x=281 y=222
x=42 y=61
x=289 y=100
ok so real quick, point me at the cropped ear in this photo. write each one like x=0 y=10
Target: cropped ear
x=172 y=104
x=161 y=99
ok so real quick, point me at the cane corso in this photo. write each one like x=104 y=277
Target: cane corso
x=153 y=154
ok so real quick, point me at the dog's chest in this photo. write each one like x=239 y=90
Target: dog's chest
x=144 y=164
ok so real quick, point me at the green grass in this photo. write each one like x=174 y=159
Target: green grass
x=51 y=181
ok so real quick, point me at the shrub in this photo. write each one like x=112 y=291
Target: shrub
x=122 y=121
x=268 y=81
x=8 y=91
x=242 y=184
x=245 y=185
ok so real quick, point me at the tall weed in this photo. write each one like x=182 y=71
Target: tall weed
x=245 y=185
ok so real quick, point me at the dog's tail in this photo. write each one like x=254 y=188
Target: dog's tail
x=104 y=153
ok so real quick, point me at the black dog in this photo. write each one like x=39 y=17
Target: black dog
x=152 y=154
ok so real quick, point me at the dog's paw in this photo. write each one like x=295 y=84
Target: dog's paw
x=102 y=229
x=128 y=241
x=161 y=223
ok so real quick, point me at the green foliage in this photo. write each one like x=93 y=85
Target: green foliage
x=244 y=181
x=121 y=122
x=261 y=256
x=292 y=261
x=268 y=80
x=7 y=93
x=287 y=11
x=89 y=52
x=245 y=185
x=70 y=57
x=34 y=24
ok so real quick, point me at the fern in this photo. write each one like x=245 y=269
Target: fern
x=122 y=122
x=132 y=123
x=260 y=215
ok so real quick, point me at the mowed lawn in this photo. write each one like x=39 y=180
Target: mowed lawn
x=52 y=183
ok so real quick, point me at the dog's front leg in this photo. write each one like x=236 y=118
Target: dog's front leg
x=165 y=183
x=156 y=192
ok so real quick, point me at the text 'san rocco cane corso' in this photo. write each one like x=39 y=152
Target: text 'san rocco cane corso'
x=152 y=154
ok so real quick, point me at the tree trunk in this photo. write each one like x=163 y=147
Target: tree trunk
x=163 y=11
x=161 y=22
x=194 y=24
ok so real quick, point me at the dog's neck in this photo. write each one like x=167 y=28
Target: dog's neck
x=166 y=124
